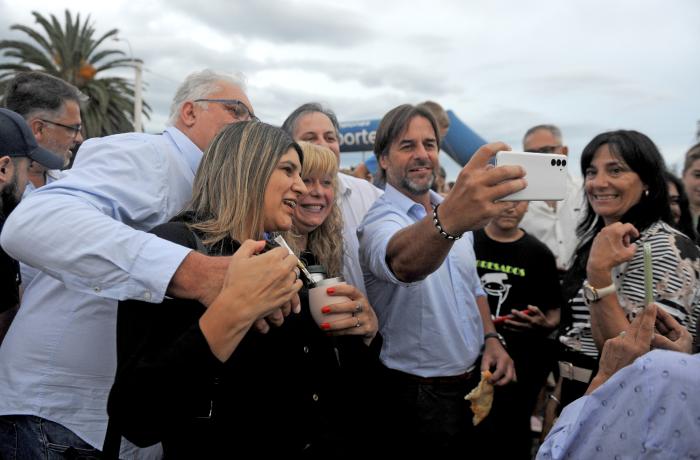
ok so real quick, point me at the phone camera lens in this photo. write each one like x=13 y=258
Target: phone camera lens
x=554 y=162
x=558 y=162
x=563 y=162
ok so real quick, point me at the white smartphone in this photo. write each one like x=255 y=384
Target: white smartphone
x=545 y=175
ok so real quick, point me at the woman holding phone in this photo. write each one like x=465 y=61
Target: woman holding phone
x=626 y=206
x=201 y=380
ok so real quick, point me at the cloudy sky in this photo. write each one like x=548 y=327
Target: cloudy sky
x=500 y=65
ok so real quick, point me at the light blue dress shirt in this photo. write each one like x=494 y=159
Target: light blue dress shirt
x=647 y=410
x=86 y=232
x=52 y=175
x=431 y=327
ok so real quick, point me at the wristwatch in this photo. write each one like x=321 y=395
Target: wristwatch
x=592 y=294
x=495 y=335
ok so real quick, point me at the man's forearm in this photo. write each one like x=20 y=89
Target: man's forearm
x=485 y=313
x=199 y=277
x=105 y=258
x=416 y=251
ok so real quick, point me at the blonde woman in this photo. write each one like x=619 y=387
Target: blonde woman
x=317 y=230
x=201 y=380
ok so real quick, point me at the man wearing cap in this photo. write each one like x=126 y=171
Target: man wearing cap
x=17 y=149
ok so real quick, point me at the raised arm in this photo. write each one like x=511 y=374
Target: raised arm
x=87 y=229
x=418 y=250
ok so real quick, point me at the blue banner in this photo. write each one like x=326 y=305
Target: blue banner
x=460 y=143
x=358 y=136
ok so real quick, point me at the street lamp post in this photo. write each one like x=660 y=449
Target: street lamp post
x=138 y=69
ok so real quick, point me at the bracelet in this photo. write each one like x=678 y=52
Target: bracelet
x=443 y=233
x=494 y=335
x=554 y=398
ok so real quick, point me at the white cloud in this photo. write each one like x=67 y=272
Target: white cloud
x=501 y=65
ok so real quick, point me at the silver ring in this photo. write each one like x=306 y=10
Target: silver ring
x=358 y=308
x=358 y=323
x=622 y=334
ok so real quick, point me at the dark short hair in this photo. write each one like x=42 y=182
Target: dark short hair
x=29 y=92
x=395 y=123
x=290 y=124
x=685 y=222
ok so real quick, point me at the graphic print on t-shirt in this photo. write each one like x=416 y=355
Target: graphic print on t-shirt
x=495 y=285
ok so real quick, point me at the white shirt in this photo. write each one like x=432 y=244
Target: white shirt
x=356 y=197
x=86 y=232
x=557 y=228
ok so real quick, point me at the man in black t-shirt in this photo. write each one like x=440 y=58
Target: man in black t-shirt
x=519 y=275
x=17 y=148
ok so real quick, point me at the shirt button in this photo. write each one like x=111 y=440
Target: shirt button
x=306 y=349
x=97 y=289
x=315 y=397
x=146 y=295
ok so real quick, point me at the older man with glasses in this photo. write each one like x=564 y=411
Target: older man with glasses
x=58 y=360
x=553 y=222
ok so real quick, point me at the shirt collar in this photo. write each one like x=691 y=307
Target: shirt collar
x=191 y=153
x=405 y=203
x=343 y=189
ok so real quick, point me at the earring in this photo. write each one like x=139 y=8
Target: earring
x=646 y=192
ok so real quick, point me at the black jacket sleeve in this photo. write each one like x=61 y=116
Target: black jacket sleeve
x=165 y=369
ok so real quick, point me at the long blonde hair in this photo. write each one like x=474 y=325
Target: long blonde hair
x=229 y=187
x=326 y=240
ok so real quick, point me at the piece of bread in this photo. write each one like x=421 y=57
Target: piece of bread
x=481 y=398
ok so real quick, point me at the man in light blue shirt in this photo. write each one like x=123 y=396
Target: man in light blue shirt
x=58 y=360
x=420 y=273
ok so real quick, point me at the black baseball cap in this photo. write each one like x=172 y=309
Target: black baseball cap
x=17 y=140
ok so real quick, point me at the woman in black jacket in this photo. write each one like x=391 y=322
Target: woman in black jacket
x=203 y=381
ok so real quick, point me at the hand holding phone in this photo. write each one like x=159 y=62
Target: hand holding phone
x=502 y=319
x=545 y=174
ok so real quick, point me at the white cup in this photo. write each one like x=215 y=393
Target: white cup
x=318 y=298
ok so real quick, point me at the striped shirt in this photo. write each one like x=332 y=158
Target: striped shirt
x=676 y=271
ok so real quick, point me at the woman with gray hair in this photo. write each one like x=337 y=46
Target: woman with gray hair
x=201 y=380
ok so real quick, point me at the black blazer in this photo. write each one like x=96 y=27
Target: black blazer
x=287 y=391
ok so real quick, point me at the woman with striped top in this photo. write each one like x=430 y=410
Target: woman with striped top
x=626 y=206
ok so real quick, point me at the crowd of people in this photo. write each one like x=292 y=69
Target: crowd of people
x=148 y=312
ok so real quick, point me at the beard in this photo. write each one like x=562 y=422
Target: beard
x=415 y=188
x=9 y=198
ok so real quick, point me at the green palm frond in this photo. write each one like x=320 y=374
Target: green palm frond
x=70 y=51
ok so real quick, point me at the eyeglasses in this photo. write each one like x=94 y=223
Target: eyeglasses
x=74 y=128
x=238 y=109
x=546 y=149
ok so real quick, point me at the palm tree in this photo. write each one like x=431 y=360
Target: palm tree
x=70 y=52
